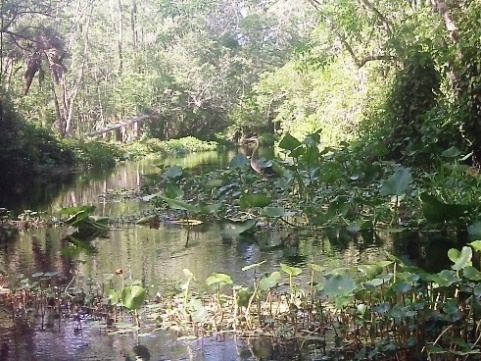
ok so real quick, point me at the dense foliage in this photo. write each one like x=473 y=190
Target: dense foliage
x=402 y=76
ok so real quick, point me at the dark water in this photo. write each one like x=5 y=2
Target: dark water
x=157 y=257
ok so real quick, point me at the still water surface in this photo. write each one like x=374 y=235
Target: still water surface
x=157 y=257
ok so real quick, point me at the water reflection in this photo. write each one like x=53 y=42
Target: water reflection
x=158 y=256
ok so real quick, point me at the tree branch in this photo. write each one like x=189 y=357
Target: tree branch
x=451 y=26
x=385 y=21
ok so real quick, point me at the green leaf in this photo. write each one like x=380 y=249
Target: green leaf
x=452 y=152
x=113 y=297
x=288 y=142
x=446 y=278
x=133 y=297
x=243 y=297
x=74 y=210
x=239 y=161
x=218 y=280
x=435 y=210
x=339 y=285
x=268 y=282
x=293 y=271
x=181 y=205
x=310 y=156
x=402 y=287
x=476 y=245
x=464 y=259
x=472 y=273
x=398 y=183
x=316 y=267
x=187 y=273
x=254 y=200
x=453 y=254
x=370 y=271
x=232 y=229
x=173 y=191
x=214 y=183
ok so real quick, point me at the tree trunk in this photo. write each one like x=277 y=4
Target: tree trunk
x=133 y=23
x=70 y=100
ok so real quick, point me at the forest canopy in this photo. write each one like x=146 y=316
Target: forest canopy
x=402 y=76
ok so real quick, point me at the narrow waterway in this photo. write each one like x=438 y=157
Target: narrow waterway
x=157 y=258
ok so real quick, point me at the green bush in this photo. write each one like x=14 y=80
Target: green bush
x=179 y=146
x=93 y=153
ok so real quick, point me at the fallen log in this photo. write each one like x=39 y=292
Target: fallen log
x=140 y=118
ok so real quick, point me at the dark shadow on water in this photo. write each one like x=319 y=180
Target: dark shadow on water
x=428 y=250
x=26 y=192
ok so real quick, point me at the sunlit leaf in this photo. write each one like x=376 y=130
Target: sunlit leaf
x=288 y=142
x=113 y=297
x=476 y=245
x=453 y=254
x=293 y=271
x=316 y=267
x=75 y=210
x=133 y=297
x=464 y=259
x=149 y=197
x=219 y=280
x=271 y=281
x=187 y=273
x=199 y=315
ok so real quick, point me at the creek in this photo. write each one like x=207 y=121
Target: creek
x=157 y=257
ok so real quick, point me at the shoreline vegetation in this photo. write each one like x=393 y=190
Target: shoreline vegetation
x=376 y=104
x=382 y=311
